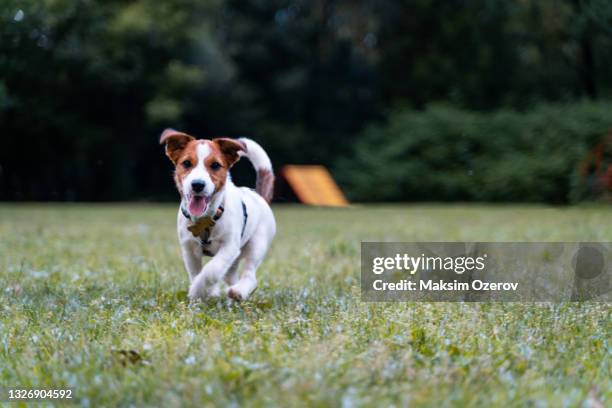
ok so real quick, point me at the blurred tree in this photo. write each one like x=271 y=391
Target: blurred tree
x=89 y=85
x=307 y=88
x=484 y=54
x=446 y=50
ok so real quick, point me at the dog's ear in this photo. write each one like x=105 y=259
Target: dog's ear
x=230 y=148
x=175 y=142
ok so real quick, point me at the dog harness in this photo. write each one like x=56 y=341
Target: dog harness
x=203 y=226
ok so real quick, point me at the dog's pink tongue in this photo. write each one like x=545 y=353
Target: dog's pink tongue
x=197 y=205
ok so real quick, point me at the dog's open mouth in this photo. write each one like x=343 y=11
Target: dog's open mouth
x=197 y=205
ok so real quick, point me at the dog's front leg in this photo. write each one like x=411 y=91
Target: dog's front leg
x=208 y=281
x=192 y=258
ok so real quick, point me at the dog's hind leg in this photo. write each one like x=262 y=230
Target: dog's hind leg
x=231 y=277
x=254 y=253
x=248 y=281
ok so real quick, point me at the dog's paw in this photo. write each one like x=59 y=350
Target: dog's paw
x=197 y=294
x=193 y=295
x=240 y=291
x=234 y=294
x=213 y=291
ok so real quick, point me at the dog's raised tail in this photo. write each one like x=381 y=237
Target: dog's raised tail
x=263 y=166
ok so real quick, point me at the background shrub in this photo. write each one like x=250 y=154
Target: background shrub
x=444 y=153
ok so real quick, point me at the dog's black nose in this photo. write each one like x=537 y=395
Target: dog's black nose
x=197 y=185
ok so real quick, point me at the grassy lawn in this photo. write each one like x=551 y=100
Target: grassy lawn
x=79 y=283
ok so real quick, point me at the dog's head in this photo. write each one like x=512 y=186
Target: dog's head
x=201 y=166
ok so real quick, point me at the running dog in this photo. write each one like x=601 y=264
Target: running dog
x=218 y=219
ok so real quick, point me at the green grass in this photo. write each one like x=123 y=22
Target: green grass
x=79 y=282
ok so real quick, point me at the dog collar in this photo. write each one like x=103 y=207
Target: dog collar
x=201 y=228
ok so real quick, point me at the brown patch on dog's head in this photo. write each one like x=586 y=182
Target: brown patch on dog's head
x=223 y=155
x=175 y=142
x=181 y=150
x=230 y=148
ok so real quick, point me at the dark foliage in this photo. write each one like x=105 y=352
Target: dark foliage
x=86 y=86
x=447 y=154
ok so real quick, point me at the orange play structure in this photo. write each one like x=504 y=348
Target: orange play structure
x=313 y=185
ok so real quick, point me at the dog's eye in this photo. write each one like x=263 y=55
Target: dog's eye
x=186 y=164
x=215 y=166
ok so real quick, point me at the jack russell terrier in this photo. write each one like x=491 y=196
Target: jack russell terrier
x=218 y=219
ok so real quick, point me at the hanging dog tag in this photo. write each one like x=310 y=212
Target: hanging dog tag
x=198 y=228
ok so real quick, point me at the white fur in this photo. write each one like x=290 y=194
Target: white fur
x=227 y=243
x=256 y=154
x=199 y=172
